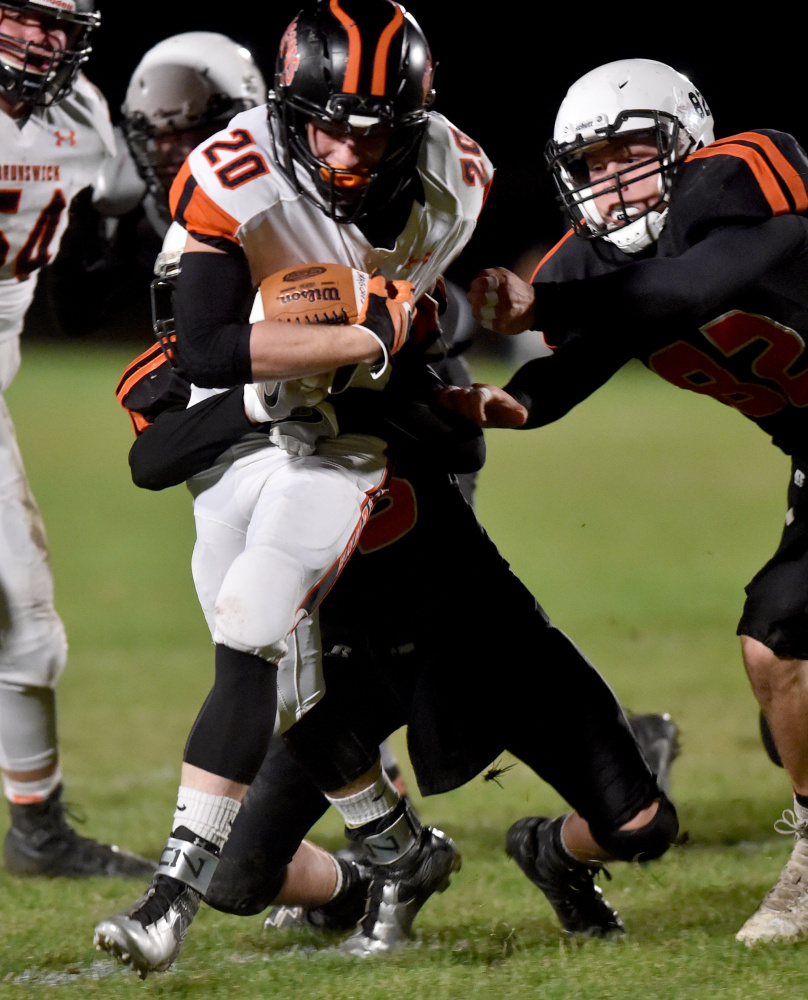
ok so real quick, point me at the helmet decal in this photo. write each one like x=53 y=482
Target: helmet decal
x=289 y=55
x=379 y=81
x=66 y=5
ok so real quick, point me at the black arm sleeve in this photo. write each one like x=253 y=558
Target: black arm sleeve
x=211 y=305
x=665 y=289
x=182 y=442
x=592 y=319
x=551 y=386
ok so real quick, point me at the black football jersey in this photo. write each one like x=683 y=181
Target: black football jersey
x=718 y=305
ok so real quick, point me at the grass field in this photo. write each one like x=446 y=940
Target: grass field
x=636 y=521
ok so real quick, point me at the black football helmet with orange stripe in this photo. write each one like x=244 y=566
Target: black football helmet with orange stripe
x=41 y=75
x=351 y=66
x=628 y=98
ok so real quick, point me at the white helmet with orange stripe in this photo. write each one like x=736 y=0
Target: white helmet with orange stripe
x=628 y=101
x=355 y=68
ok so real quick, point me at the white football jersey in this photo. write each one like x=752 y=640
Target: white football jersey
x=232 y=188
x=43 y=165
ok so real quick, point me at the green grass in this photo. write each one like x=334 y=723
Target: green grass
x=636 y=521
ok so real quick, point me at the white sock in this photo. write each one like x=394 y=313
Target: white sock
x=801 y=812
x=26 y=793
x=371 y=803
x=208 y=816
x=339 y=881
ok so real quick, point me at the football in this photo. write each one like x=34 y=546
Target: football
x=316 y=293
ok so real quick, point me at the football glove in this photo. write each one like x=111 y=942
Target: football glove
x=304 y=429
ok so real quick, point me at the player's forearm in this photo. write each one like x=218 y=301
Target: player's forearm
x=183 y=442
x=281 y=351
x=665 y=289
x=549 y=387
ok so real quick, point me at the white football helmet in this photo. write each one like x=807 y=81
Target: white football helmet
x=639 y=98
x=183 y=90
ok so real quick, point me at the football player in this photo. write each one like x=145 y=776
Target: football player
x=345 y=163
x=689 y=254
x=393 y=661
x=56 y=134
x=614 y=787
x=185 y=88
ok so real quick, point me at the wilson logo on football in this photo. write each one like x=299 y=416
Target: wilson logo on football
x=330 y=294
x=302 y=273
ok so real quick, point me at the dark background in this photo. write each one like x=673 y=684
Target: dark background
x=501 y=75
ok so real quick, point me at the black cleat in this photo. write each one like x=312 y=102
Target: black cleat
x=40 y=841
x=658 y=737
x=569 y=885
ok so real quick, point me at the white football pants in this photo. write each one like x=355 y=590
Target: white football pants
x=33 y=646
x=274 y=532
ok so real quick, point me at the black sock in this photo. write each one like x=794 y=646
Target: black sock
x=183 y=833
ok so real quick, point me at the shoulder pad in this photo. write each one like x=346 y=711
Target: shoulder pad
x=454 y=169
x=749 y=177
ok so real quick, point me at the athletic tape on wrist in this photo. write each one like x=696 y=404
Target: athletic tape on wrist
x=378 y=368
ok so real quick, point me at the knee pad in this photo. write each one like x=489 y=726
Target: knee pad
x=34 y=650
x=256 y=610
x=231 y=734
x=648 y=842
x=244 y=886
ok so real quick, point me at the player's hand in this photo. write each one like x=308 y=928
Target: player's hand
x=502 y=301
x=387 y=312
x=484 y=405
x=301 y=433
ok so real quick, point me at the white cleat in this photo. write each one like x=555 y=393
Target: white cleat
x=783 y=914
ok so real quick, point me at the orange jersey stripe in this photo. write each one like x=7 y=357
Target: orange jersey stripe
x=135 y=366
x=126 y=383
x=550 y=253
x=350 y=84
x=201 y=216
x=765 y=174
x=378 y=84
x=177 y=187
x=788 y=174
